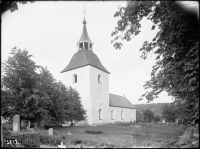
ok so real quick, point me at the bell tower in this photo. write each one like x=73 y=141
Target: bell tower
x=90 y=78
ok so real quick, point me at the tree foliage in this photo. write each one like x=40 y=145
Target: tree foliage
x=176 y=45
x=31 y=91
x=170 y=113
x=139 y=116
x=148 y=115
x=11 y=5
x=157 y=118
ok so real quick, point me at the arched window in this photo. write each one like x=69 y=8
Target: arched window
x=112 y=114
x=122 y=115
x=99 y=78
x=100 y=114
x=75 y=78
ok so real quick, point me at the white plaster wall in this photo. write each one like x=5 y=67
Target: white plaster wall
x=82 y=86
x=99 y=93
x=129 y=114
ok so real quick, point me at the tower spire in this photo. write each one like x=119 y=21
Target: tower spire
x=84 y=42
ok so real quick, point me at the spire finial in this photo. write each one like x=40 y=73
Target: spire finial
x=84 y=22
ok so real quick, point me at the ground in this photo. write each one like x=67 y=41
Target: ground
x=123 y=135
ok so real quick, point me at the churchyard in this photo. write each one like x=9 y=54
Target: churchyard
x=124 y=135
x=107 y=135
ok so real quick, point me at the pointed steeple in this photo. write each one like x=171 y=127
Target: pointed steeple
x=84 y=42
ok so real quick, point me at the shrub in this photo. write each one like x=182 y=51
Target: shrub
x=77 y=141
x=89 y=144
x=50 y=140
x=7 y=127
x=63 y=137
x=93 y=131
x=124 y=124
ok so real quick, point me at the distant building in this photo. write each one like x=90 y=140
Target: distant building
x=90 y=78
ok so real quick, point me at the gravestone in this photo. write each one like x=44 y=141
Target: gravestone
x=50 y=131
x=16 y=123
x=62 y=146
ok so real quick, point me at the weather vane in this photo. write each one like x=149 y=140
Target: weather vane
x=84 y=10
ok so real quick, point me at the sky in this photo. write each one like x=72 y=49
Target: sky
x=50 y=30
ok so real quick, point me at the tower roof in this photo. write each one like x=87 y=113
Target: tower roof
x=84 y=58
x=120 y=101
x=84 y=37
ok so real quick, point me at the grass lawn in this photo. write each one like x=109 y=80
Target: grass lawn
x=121 y=135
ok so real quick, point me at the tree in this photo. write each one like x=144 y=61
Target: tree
x=139 y=116
x=32 y=92
x=148 y=115
x=11 y=5
x=169 y=113
x=19 y=81
x=157 y=118
x=176 y=45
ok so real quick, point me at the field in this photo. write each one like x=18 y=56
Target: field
x=123 y=136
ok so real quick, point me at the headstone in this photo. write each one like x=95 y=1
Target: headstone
x=28 y=125
x=163 y=121
x=50 y=131
x=16 y=123
x=62 y=146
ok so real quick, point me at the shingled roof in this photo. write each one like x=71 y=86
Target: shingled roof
x=120 y=101
x=84 y=58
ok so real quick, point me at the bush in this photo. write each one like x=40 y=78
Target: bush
x=93 y=131
x=50 y=140
x=124 y=124
x=89 y=144
x=7 y=127
x=77 y=141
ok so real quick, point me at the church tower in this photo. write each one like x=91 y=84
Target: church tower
x=90 y=78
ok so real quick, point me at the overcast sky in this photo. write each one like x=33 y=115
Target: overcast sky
x=50 y=31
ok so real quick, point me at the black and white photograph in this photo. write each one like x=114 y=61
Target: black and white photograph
x=99 y=74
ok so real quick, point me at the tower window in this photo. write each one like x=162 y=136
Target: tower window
x=81 y=46
x=90 y=46
x=100 y=114
x=112 y=114
x=99 y=78
x=86 y=45
x=75 y=78
x=122 y=115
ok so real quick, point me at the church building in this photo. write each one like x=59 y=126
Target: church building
x=90 y=78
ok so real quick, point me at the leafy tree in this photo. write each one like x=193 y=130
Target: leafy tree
x=169 y=113
x=148 y=115
x=31 y=91
x=176 y=45
x=139 y=116
x=19 y=81
x=11 y=5
x=157 y=118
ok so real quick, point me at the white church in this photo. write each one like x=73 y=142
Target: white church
x=90 y=78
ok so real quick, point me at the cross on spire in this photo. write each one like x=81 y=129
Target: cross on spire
x=84 y=10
